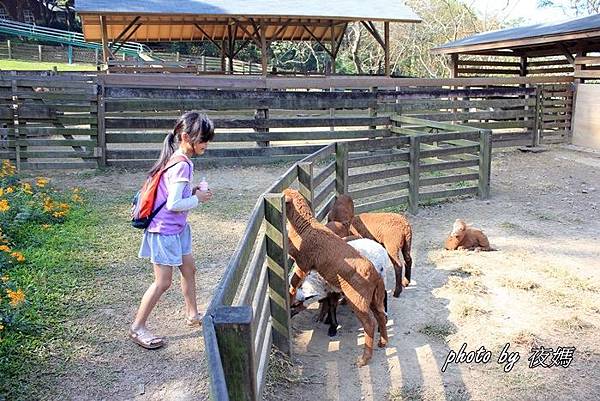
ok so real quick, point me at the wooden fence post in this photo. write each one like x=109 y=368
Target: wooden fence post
x=305 y=178
x=9 y=49
x=278 y=271
x=414 y=173
x=485 y=163
x=373 y=110
x=341 y=168
x=261 y=115
x=539 y=116
x=101 y=116
x=233 y=327
x=16 y=123
x=40 y=52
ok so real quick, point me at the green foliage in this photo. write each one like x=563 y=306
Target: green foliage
x=40 y=231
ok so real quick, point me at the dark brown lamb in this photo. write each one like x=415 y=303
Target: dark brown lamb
x=313 y=246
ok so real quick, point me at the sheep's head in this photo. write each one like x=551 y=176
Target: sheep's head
x=296 y=205
x=342 y=210
x=458 y=229
x=339 y=229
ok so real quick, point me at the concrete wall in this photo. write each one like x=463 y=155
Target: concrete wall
x=586 y=121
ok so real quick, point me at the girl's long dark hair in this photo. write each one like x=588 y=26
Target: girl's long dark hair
x=197 y=125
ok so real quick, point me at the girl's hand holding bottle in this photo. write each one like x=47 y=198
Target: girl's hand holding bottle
x=202 y=192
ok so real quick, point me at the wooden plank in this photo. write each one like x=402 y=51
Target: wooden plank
x=232 y=328
x=382 y=204
x=448 y=193
x=378 y=190
x=414 y=174
x=373 y=144
x=489 y=63
x=229 y=152
x=324 y=174
x=342 y=165
x=448 y=165
x=145 y=137
x=477 y=115
x=496 y=71
x=378 y=159
x=449 y=179
x=225 y=293
x=218 y=386
x=325 y=153
x=447 y=104
x=485 y=164
x=431 y=124
x=325 y=193
x=29 y=165
x=450 y=151
x=278 y=271
x=322 y=213
x=128 y=123
x=378 y=175
x=305 y=182
x=255 y=267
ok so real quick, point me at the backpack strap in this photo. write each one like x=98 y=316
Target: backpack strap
x=172 y=162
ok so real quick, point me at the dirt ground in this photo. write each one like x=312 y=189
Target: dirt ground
x=539 y=288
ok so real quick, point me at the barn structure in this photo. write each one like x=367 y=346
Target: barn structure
x=233 y=24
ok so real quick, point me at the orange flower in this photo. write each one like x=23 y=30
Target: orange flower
x=18 y=256
x=4 y=205
x=10 y=190
x=77 y=198
x=4 y=248
x=41 y=182
x=27 y=188
x=16 y=297
x=1 y=191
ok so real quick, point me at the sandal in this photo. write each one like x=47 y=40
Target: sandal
x=145 y=339
x=195 y=321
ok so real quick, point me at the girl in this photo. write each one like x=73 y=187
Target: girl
x=167 y=241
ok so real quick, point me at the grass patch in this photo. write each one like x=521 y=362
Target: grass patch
x=466 y=270
x=25 y=65
x=526 y=339
x=469 y=286
x=437 y=330
x=519 y=284
x=407 y=393
x=283 y=373
x=570 y=280
x=574 y=323
x=470 y=310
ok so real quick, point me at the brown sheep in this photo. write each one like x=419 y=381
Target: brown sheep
x=314 y=247
x=342 y=210
x=465 y=237
x=392 y=230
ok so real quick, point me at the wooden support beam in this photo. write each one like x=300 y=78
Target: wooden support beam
x=219 y=46
x=263 y=48
x=414 y=174
x=454 y=65
x=254 y=36
x=311 y=33
x=523 y=66
x=567 y=53
x=386 y=48
x=341 y=168
x=124 y=32
x=127 y=38
x=370 y=26
x=105 y=50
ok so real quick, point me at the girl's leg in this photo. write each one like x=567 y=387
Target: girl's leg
x=162 y=281
x=188 y=286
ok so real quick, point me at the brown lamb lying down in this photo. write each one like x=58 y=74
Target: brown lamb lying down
x=392 y=230
x=313 y=246
x=465 y=237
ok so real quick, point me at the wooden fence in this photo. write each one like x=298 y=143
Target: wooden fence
x=49 y=121
x=250 y=310
x=119 y=120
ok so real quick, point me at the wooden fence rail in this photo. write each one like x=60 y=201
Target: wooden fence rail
x=119 y=120
x=250 y=311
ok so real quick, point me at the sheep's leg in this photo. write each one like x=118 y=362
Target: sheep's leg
x=407 y=258
x=324 y=308
x=333 y=323
x=394 y=252
x=378 y=306
x=360 y=306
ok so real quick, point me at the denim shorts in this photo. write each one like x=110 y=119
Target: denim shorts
x=167 y=250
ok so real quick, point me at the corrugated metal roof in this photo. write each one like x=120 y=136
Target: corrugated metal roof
x=571 y=26
x=373 y=10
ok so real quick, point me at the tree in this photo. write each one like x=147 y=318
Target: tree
x=576 y=7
